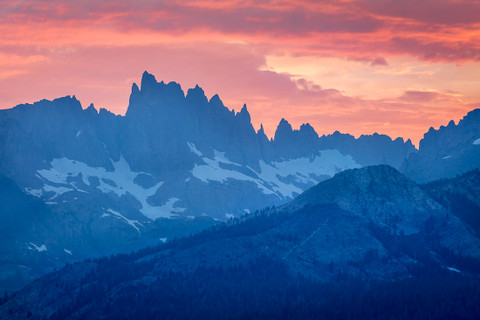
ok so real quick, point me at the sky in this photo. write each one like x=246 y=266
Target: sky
x=356 y=66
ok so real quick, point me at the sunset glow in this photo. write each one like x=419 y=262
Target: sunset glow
x=357 y=66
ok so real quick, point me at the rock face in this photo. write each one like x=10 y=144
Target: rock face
x=370 y=223
x=448 y=151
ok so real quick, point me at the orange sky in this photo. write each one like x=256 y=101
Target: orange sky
x=357 y=66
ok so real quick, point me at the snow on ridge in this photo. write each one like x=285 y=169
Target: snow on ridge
x=211 y=171
x=38 y=248
x=447 y=157
x=328 y=163
x=269 y=178
x=67 y=251
x=477 y=142
x=166 y=210
x=453 y=269
x=133 y=223
x=122 y=177
x=194 y=149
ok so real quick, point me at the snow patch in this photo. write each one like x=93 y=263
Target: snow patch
x=34 y=192
x=272 y=178
x=194 y=149
x=78 y=133
x=67 y=251
x=328 y=162
x=453 y=269
x=269 y=179
x=447 y=157
x=38 y=248
x=477 y=142
x=133 y=223
x=229 y=216
x=211 y=171
x=167 y=210
x=122 y=177
x=247 y=211
x=49 y=188
x=163 y=240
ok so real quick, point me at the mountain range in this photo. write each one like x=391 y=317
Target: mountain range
x=366 y=224
x=80 y=183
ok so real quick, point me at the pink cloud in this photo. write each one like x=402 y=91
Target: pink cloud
x=445 y=12
x=355 y=29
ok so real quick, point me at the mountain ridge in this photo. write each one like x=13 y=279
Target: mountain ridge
x=316 y=240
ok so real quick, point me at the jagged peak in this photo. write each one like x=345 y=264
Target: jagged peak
x=376 y=136
x=197 y=95
x=306 y=126
x=106 y=113
x=68 y=102
x=174 y=86
x=472 y=117
x=135 y=89
x=244 y=108
x=284 y=129
x=148 y=81
x=284 y=124
x=65 y=98
x=474 y=112
x=261 y=131
x=307 y=130
x=244 y=115
x=215 y=100
x=91 y=109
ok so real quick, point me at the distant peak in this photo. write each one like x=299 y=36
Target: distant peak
x=244 y=111
x=135 y=89
x=91 y=109
x=284 y=130
x=196 y=95
x=307 y=131
x=473 y=117
x=216 y=100
x=261 y=130
x=244 y=115
x=284 y=124
x=148 y=81
x=306 y=127
x=283 y=127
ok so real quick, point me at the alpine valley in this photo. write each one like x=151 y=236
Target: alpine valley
x=212 y=200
